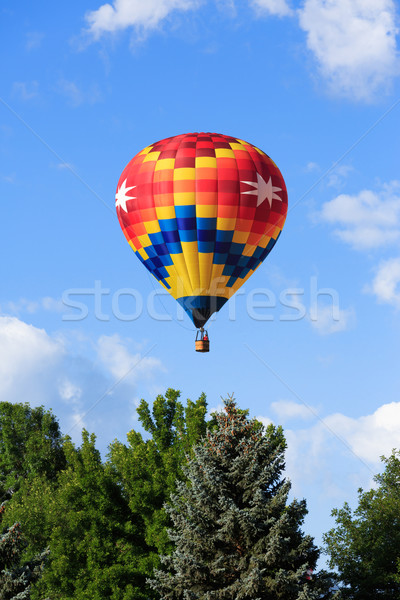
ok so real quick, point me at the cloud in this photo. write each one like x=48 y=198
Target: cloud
x=312 y=167
x=386 y=283
x=65 y=165
x=116 y=357
x=286 y=409
x=370 y=436
x=366 y=220
x=75 y=95
x=338 y=175
x=33 y=40
x=23 y=305
x=81 y=389
x=122 y=14
x=338 y=454
x=26 y=90
x=353 y=42
x=279 y=8
x=331 y=319
x=8 y=178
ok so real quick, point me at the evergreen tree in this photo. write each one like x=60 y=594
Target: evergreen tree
x=16 y=578
x=235 y=534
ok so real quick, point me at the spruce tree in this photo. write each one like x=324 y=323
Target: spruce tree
x=236 y=536
x=16 y=577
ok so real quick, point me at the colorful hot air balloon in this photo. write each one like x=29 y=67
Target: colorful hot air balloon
x=201 y=211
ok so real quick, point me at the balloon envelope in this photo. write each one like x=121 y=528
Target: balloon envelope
x=201 y=211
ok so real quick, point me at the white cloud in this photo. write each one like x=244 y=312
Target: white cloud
x=26 y=354
x=312 y=166
x=8 y=178
x=69 y=391
x=33 y=40
x=122 y=14
x=353 y=42
x=332 y=319
x=338 y=453
x=286 y=409
x=370 y=436
x=280 y=8
x=116 y=357
x=338 y=175
x=52 y=304
x=75 y=95
x=386 y=283
x=70 y=90
x=65 y=165
x=23 y=305
x=43 y=369
x=26 y=90
x=366 y=220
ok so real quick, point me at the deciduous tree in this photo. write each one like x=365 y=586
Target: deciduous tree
x=365 y=544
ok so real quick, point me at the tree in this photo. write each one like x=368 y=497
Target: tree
x=31 y=457
x=105 y=522
x=30 y=446
x=97 y=549
x=235 y=534
x=148 y=469
x=16 y=578
x=365 y=544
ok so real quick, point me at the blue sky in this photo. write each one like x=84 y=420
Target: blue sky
x=312 y=339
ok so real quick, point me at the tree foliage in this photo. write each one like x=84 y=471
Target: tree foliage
x=30 y=446
x=148 y=469
x=104 y=522
x=365 y=544
x=16 y=577
x=234 y=532
x=96 y=548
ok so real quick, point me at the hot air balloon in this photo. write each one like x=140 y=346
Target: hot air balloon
x=201 y=212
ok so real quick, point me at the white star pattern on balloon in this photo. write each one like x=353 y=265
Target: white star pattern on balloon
x=263 y=190
x=121 y=196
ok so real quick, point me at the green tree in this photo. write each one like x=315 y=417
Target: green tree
x=365 y=544
x=105 y=523
x=30 y=446
x=31 y=457
x=235 y=534
x=97 y=549
x=16 y=577
x=148 y=469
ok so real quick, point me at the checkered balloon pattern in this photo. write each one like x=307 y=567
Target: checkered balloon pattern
x=201 y=211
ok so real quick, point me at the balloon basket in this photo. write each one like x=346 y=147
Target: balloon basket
x=202 y=343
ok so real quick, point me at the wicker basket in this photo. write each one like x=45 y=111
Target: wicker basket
x=202 y=345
